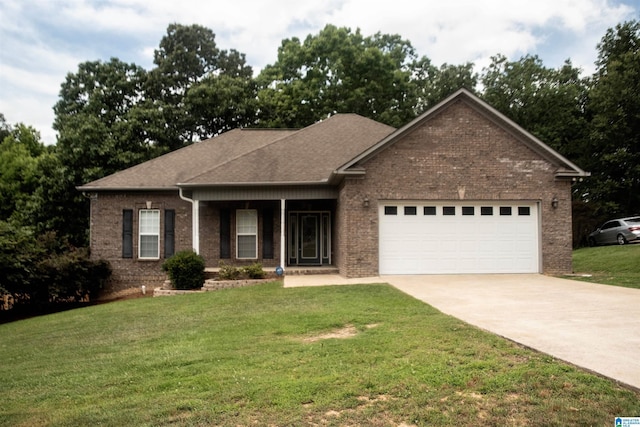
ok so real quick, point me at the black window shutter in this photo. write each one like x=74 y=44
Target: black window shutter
x=225 y=233
x=127 y=233
x=267 y=234
x=169 y=232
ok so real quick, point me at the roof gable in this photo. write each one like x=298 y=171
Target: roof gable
x=565 y=168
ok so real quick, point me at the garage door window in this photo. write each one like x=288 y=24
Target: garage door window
x=524 y=210
x=486 y=210
x=391 y=210
x=410 y=210
x=429 y=210
x=448 y=210
x=468 y=210
x=505 y=210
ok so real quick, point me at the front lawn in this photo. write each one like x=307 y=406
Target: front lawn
x=609 y=265
x=329 y=356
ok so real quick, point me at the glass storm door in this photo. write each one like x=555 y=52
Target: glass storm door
x=309 y=238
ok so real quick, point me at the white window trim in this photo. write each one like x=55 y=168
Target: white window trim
x=140 y=234
x=238 y=233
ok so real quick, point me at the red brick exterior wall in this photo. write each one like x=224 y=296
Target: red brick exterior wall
x=130 y=274
x=457 y=153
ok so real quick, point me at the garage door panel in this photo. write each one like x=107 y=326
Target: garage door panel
x=449 y=244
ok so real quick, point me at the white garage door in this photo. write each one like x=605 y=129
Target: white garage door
x=459 y=237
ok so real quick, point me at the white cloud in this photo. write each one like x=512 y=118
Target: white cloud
x=42 y=40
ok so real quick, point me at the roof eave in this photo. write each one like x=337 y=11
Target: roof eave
x=88 y=188
x=572 y=174
x=252 y=184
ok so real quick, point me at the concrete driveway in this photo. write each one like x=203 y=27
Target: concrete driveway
x=593 y=326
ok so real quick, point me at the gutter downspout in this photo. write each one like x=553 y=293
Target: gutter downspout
x=195 y=221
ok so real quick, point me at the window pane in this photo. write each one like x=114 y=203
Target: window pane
x=149 y=246
x=505 y=210
x=247 y=247
x=410 y=210
x=247 y=221
x=468 y=210
x=429 y=210
x=149 y=233
x=486 y=210
x=391 y=210
x=149 y=221
x=449 y=210
x=247 y=233
x=524 y=210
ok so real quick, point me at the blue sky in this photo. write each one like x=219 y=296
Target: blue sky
x=43 y=40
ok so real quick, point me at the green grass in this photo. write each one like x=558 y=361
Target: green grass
x=609 y=265
x=242 y=357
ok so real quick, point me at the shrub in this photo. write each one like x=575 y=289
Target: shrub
x=254 y=271
x=185 y=269
x=45 y=273
x=228 y=272
x=72 y=276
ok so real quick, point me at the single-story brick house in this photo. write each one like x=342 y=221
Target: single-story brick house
x=460 y=189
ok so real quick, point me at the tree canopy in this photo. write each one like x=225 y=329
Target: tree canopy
x=613 y=108
x=547 y=102
x=111 y=115
x=339 y=71
x=196 y=90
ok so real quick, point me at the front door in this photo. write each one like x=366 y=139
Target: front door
x=309 y=238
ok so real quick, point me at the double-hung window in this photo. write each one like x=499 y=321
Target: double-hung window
x=247 y=233
x=149 y=234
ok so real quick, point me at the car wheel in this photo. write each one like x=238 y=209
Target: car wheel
x=592 y=241
x=621 y=239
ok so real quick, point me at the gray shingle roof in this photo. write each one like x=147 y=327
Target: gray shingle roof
x=255 y=156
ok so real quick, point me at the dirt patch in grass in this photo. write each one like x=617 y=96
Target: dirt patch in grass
x=347 y=331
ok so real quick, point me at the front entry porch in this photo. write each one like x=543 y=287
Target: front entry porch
x=243 y=226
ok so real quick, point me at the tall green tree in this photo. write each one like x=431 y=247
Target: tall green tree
x=340 y=71
x=20 y=152
x=614 y=108
x=196 y=90
x=5 y=128
x=547 y=102
x=100 y=131
x=435 y=84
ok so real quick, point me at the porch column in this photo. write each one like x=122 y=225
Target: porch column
x=195 y=224
x=283 y=241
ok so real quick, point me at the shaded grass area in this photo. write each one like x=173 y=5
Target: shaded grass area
x=609 y=265
x=244 y=357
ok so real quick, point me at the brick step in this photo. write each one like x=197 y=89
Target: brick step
x=294 y=271
x=212 y=272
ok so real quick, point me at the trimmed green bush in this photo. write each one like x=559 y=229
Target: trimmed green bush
x=185 y=270
x=228 y=272
x=254 y=271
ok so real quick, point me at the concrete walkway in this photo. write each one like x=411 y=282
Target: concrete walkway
x=593 y=326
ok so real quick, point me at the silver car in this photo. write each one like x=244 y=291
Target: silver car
x=618 y=231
